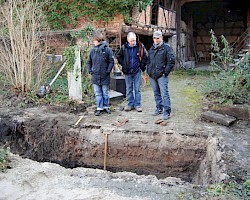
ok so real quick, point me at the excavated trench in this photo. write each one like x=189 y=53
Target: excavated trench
x=163 y=154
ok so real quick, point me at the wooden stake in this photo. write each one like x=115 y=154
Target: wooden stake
x=105 y=150
x=78 y=120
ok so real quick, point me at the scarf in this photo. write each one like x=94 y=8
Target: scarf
x=158 y=45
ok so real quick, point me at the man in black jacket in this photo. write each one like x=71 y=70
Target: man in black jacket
x=133 y=58
x=161 y=61
x=100 y=64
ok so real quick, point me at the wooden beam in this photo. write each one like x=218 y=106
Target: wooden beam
x=178 y=29
x=205 y=49
x=186 y=1
x=148 y=30
x=232 y=28
x=173 y=5
x=65 y=32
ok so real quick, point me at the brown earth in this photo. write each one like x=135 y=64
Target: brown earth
x=194 y=151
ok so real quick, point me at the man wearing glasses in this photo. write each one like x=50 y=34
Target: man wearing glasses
x=161 y=60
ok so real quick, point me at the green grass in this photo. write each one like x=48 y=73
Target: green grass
x=59 y=91
x=3 y=159
x=186 y=88
x=192 y=72
x=230 y=191
x=230 y=87
x=59 y=94
x=2 y=92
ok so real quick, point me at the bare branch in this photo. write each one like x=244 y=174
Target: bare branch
x=23 y=43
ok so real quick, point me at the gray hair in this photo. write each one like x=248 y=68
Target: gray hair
x=131 y=34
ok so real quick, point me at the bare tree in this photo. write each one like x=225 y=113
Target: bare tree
x=23 y=43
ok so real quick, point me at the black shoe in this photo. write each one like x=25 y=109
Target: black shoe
x=157 y=112
x=98 y=112
x=107 y=111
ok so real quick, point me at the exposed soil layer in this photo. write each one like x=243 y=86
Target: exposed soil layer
x=51 y=137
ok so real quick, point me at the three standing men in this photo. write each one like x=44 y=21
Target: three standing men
x=133 y=58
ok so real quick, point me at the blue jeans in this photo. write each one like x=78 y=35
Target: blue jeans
x=162 y=98
x=133 y=89
x=101 y=96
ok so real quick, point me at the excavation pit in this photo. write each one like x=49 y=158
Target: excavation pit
x=163 y=154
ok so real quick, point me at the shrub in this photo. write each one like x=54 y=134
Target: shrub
x=222 y=57
x=23 y=44
x=230 y=84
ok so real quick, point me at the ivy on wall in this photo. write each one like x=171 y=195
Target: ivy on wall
x=63 y=12
x=69 y=53
x=69 y=57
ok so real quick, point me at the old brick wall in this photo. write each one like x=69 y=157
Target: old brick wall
x=166 y=18
x=57 y=44
x=143 y=17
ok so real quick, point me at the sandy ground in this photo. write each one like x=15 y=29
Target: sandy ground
x=33 y=180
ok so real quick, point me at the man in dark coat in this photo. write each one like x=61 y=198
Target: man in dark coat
x=133 y=58
x=100 y=64
x=161 y=60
